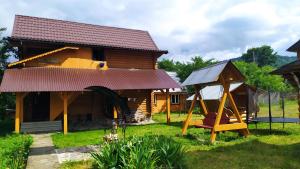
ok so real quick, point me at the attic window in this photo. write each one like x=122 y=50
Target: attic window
x=98 y=54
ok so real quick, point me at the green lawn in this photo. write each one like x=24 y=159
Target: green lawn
x=291 y=109
x=281 y=149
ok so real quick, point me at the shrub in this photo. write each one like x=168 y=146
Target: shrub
x=14 y=151
x=147 y=152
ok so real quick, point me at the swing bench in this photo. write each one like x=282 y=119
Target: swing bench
x=210 y=119
x=223 y=73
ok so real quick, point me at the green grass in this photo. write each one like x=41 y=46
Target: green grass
x=281 y=149
x=14 y=148
x=291 y=109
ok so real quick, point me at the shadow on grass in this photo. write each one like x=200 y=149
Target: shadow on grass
x=264 y=132
x=174 y=124
x=203 y=137
x=251 y=154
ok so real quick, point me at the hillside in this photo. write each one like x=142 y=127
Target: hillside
x=281 y=60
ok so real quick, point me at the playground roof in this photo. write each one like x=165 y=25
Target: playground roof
x=215 y=92
x=210 y=75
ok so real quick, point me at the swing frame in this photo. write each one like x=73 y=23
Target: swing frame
x=240 y=125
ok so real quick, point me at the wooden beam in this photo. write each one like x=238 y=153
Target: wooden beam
x=202 y=103
x=296 y=79
x=168 y=106
x=65 y=100
x=22 y=95
x=17 y=114
x=234 y=126
x=115 y=113
x=195 y=122
x=162 y=91
x=218 y=118
x=235 y=109
x=41 y=55
x=190 y=112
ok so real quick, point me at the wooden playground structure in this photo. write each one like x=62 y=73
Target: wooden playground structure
x=223 y=73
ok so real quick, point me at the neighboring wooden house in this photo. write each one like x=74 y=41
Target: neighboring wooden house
x=291 y=71
x=59 y=59
x=177 y=98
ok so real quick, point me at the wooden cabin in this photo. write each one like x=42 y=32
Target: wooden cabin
x=177 y=98
x=59 y=59
x=291 y=71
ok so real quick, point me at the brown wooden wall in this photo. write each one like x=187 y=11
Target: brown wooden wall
x=116 y=58
x=66 y=58
x=138 y=100
x=160 y=105
x=130 y=59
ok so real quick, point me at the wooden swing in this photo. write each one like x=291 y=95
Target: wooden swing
x=224 y=74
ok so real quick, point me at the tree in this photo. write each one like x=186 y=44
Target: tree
x=168 y=65
x=261 y=77
x=6 y=51
x=262 y=56
x=185 y=69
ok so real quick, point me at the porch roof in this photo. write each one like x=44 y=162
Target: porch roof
x=40 y=79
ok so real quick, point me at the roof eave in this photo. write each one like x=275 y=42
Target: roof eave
x=17 y=41
x=294 y=47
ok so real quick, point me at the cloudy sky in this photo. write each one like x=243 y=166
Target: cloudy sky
x=219 y=29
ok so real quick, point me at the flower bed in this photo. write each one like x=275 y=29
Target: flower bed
x=147 y=152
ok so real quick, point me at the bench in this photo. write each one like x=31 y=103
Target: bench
x=210 y=118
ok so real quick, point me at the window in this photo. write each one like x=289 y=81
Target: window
x=98 y=54
x=175 y=99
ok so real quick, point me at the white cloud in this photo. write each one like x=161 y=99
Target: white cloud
x=219 y=29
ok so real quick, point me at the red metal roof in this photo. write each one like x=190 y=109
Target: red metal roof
x=59 y=31
x=68 y=79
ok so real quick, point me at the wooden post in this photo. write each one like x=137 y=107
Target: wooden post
x=247 y=105
x=219 y=116
x=115 y=113
x=283 y=109
x=296 y=79
x=23 y=95
x=270 y=111
x=245 y=131
x=189 y=116
x=21 y=109
x=65 y=100
x=168 y=106
x=18 y=110
x=299 y=102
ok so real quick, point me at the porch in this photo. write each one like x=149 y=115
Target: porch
x=54 y=111
x=49 y=94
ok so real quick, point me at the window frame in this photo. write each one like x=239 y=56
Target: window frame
x=176 y=99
